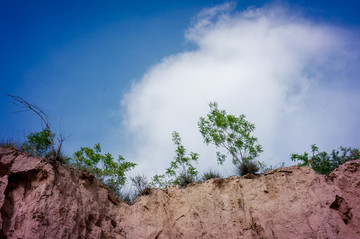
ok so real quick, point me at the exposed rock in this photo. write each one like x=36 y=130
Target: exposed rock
x=41 y=200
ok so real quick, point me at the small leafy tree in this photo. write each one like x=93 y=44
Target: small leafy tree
x=181 y=172
x=103 y=167
x=324 y=163
x=231 y=133
x=38 y=143
x=159 y=180
x=43 y=137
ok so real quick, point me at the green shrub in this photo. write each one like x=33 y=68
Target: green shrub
x=210 y=174
x=38 y=143
x=232 y=134
x=159 y=181
x=103 y=167
x=184 y=179
x=324 y=163
x=181 y=172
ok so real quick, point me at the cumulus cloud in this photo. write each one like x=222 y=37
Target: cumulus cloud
x=295 y=79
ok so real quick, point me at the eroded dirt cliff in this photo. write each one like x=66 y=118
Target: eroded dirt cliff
x=39 y=200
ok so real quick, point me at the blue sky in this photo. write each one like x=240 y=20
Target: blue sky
x=107 y=70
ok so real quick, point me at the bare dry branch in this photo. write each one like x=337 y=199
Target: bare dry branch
x=20 y=102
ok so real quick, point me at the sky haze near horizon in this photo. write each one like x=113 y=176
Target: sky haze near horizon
x=130 y=75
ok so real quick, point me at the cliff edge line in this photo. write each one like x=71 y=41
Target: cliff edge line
x=43 y=200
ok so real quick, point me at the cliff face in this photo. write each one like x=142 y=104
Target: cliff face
x=38 y=200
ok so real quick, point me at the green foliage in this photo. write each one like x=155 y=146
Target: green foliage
x=324 y=163
x=103 y=167
x=184 y=179
x=38 y=143
x=181 y=168
x=181 y=172
x=210 y=174
x=41 y=140
x=159 y=180
x=239 y=201
x=231 y=133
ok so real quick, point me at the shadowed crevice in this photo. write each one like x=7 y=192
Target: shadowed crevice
x=343 y=208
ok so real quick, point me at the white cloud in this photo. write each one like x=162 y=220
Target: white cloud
x=289 y=75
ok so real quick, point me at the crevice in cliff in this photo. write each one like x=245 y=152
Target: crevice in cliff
x=343 y=208
x=177 y=220
x=15 y=181
x=256 y=228
x=158 y=234
x=6 y=213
